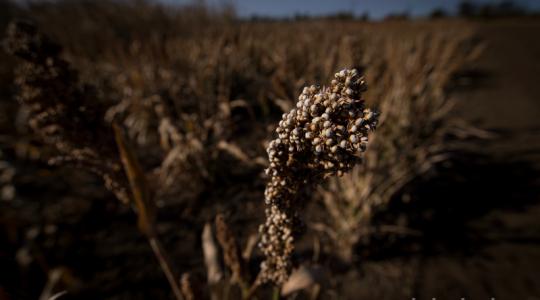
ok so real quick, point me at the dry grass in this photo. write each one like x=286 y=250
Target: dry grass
x=410 y=75
x=198 y=97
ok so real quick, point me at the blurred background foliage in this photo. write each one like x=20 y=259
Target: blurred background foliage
x=445 y=205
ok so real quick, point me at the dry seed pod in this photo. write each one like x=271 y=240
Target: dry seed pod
x=63 y=112
x=300 y=160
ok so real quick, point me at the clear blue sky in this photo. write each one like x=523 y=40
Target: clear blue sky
x=375 y=8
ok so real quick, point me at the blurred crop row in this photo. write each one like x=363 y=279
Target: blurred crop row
x=199 y=94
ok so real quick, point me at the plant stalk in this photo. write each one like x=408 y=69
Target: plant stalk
x=145 y=208
x=165 y=263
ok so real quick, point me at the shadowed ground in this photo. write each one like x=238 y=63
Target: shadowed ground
x=484 y=239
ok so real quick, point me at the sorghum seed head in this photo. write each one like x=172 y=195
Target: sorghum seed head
x=308 y=152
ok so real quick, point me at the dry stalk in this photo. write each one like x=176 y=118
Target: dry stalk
x=211 y=258
x=145 y=208
x=66 y=116
x=416 y=132
x=190 y=289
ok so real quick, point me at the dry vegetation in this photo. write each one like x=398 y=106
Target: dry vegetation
x=174 y=111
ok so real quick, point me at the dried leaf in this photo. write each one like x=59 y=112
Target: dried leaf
x=210 y=251
x=301 y=279
x=137 y=182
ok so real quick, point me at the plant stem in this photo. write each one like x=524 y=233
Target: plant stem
x=275 y=294
x=165 y=264
x=145 y=207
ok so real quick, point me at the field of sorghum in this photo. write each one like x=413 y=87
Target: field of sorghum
x=150 y=153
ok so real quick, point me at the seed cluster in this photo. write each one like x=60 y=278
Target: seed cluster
x=323 y=136
x=66 y=113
